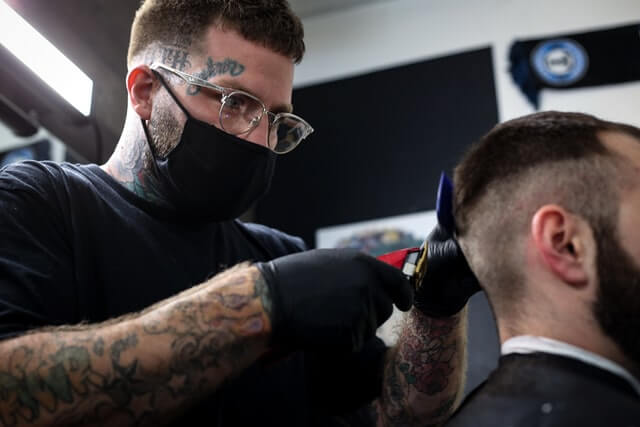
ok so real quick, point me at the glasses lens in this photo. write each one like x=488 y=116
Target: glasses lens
x=240 y=113
x=286 y=133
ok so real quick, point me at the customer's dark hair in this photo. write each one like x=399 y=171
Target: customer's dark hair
x=181 y=23
x=519 y=166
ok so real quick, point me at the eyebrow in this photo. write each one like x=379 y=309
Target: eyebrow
x=280 y=108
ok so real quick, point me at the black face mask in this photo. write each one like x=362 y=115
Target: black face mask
x=212 y=175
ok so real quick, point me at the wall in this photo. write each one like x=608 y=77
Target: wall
x=402 y=31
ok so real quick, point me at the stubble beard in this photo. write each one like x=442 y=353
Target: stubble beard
x=165 y=130
x=164 y=134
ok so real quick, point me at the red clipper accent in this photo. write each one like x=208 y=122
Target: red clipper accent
x=398 y=258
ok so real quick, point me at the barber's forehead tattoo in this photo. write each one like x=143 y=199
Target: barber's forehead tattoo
x=172 y=56
x=176 y=58
x=227 y=66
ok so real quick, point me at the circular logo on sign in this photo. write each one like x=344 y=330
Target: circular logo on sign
x=560 y=62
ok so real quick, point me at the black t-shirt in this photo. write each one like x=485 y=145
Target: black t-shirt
x=77 y=246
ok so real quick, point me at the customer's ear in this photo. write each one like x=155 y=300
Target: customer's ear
x=560 y=240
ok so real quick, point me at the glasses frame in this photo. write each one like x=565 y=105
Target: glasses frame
x=228 y=92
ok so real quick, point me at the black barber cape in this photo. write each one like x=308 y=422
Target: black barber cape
x=77 y=246
x=540 y=389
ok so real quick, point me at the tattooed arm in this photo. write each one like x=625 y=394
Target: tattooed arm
x=424 y=372
x=138 y=369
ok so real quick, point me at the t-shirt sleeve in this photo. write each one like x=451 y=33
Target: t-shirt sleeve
x=35 y=270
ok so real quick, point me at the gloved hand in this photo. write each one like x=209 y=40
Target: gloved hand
x=448 y=282
x=331 y=298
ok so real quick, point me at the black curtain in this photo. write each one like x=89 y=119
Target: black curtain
x=380 y=143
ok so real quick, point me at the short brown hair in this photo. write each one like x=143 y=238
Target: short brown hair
x=270 y=23
x=520 y=165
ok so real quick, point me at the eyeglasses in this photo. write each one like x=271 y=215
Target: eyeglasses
x=240 y=113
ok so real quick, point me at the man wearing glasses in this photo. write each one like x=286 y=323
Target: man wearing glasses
x=144 y=255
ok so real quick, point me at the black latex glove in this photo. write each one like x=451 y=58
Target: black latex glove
x=331 y=298
x=448 y=282
x=341 y=382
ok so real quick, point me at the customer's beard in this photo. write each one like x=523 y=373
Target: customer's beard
x=617 y=308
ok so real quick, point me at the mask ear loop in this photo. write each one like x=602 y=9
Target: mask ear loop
x=148 y=139
x=175 y=98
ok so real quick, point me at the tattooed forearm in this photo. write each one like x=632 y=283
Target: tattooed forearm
x=140 y=369
x=424 y=372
